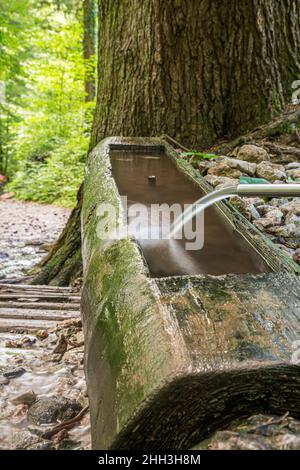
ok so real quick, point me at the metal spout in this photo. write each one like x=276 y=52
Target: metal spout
x=271 y=190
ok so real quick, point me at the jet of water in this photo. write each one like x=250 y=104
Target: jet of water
x=199 y=206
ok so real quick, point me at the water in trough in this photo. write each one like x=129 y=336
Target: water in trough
x=224 y=251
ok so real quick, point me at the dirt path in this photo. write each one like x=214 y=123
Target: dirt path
x=42 y=381
x=26 y=230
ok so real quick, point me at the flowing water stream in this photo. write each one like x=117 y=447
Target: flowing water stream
x=25 y=228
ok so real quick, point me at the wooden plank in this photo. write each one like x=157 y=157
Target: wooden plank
x=22 y=295
x=28 y=325
x=41 y=305
x=38 y=314
x=36 y=287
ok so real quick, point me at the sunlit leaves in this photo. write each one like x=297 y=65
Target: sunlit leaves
x=48 y=137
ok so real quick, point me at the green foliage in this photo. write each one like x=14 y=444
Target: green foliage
x=57 y=179
x=49 y=131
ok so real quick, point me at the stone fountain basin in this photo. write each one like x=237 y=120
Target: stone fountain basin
x=169 y=360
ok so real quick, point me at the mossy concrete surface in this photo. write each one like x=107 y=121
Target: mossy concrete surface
x=168 y=361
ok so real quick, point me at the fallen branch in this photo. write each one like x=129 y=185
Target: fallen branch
x=69 y=424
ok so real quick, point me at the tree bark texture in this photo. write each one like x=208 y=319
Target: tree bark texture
x=64 y=264
x=89 y=47
x=194 y=69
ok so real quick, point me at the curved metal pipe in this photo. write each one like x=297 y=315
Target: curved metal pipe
x=271 y=190
x=250 y=190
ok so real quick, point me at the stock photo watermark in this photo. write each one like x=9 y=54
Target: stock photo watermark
x=153 y=222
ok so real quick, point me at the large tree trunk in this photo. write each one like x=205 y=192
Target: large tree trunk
x=89 y=47
x=196 y=70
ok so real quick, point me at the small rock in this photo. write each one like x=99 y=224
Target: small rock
x=227 y=184
x=263 y=223
x=68 y=323
x=292 y=218
x=23 y=439
x=222 y=169
x=255 y=201
x=253 y=153
x=61 y=346
x=14 y=372
x=296 y=256
x=80 y=337
x=18 y=359
x=12 y=344
x=241 y=205
x=60 y=436
x=53 y=409
x=292 y=206
x=4 y=380
x=25 y=342
x=28 y=342
x=20 y=411
x=264 y=208
x=203 y=165
x=278 y=201
x=220 y=180
x=242 y=165
x=270 y=171
x=286 y=231
x=26 y=398
x=42 y=334
x=292 y=166
x=294 y=174
x=275 y=215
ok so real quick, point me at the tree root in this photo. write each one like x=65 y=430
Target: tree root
x=273 y=129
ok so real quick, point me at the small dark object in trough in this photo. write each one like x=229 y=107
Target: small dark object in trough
x=152 y=179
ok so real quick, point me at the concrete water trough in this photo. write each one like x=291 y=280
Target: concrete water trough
x=180 y=343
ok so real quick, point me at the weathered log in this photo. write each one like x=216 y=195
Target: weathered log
x=170 y=361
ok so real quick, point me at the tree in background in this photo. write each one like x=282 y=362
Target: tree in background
x=15 y=27
x=194 y=69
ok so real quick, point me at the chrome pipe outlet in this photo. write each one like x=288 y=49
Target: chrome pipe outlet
x=270 y=190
